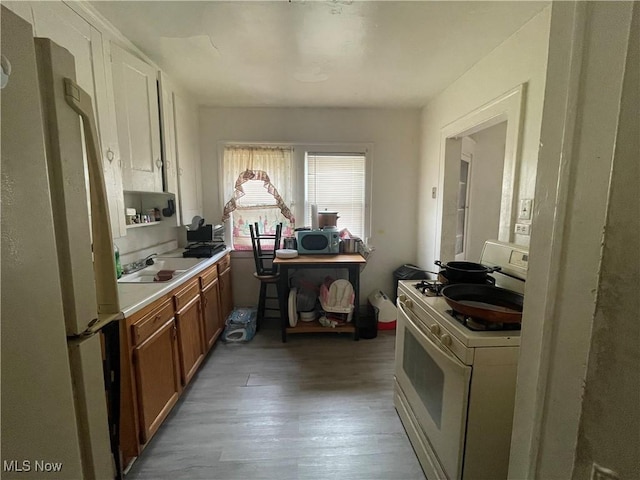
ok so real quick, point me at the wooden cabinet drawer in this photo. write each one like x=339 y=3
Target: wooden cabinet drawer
x=151 y=322
x=208 y=276
x=188 y=292
x=224 y=263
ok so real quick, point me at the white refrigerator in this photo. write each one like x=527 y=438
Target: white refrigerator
x=59 y=302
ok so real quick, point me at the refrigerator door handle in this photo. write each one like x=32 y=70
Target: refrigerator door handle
x=106 y=283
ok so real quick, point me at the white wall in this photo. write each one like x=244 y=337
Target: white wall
x=394 y=136
x=520 y=59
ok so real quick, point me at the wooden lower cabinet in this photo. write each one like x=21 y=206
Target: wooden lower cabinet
x=189 y=321
x=157 y=378
x=163 y=344
x=226 y=294
x=213 y=324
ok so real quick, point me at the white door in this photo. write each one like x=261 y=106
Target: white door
x=436 y=385
x=138 y=121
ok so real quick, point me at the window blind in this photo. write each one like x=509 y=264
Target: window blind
x=336 y=182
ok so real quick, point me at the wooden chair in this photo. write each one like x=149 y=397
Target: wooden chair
x=264 y=252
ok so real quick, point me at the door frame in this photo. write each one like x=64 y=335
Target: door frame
x=508 y=107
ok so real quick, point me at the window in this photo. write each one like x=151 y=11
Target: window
x=336 y=182
x=257 y=184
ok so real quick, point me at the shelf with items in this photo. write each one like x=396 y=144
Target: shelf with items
x=149 y=208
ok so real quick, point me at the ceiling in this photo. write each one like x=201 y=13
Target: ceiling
x=316 y=53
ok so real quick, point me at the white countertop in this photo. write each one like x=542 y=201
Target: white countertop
x=134 y=296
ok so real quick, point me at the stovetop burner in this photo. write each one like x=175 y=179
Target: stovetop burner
x=479 y=325
x=430 y=288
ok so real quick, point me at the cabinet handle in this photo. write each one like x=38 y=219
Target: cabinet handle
x=158 y=163
x=110 y=155
x=158 y=317
x=205 y=300
x=175 y=331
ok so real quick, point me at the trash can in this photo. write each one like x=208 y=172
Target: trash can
x=384 y=310
x=368 y=325
x=407 y=272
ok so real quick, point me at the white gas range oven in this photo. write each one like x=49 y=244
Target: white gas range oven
x=455 y=378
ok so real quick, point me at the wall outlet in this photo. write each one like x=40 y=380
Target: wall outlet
x=525 y=209
x=601 y=473
x=523 y=228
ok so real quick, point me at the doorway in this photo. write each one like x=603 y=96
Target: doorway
x=479 y=177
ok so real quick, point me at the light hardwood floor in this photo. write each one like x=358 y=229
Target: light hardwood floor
x=318 y=407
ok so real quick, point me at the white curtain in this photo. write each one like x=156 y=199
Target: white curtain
x=275 y=161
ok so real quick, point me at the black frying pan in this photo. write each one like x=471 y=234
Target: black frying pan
x=485 y=302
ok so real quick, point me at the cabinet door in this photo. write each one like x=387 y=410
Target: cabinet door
x=168 y=126
x=189 y=320
x=188 y=156
x=157 y=378
x=211 y=312
x=138 y=121
x=58 y=22
x=226 y=294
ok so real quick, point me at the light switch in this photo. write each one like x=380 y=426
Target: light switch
x=525 y=209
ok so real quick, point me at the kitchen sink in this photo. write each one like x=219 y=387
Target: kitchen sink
x=179 y=265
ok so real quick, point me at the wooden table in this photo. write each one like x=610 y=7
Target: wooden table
x=352 y=262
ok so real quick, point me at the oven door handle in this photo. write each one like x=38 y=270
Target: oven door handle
x=426 y=333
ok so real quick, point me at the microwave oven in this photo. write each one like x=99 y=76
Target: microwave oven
x=318 y=242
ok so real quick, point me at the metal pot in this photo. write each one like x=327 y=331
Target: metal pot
x=485 y=302
x=327 y=219
x=466 y=272
x=349 y=245
x=289 y=243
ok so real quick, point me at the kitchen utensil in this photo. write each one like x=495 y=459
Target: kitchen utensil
x=289 y=243
x=349 y=245
x=195 y=223
x=286 y=253
x=467 y=272
x=293 y=314
x=308 y=316
x=327 y=219
x=171 y=208
x=485 y=302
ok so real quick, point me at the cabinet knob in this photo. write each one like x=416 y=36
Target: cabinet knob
x=110 y=155
x=180 y=171
x=158 y=163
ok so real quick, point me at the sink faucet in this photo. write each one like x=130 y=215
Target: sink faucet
x=148 y=260
x=139 y=264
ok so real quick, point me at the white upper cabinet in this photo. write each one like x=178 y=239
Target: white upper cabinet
x=57 y=21
x=188 y=156
x=168 y=129
x=138 y=121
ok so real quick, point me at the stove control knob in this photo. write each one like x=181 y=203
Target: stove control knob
x=446 y=340
x=435 y=329
x=402 y=297
x=408 y=303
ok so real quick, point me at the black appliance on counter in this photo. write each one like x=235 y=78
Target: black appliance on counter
x=205 y=241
